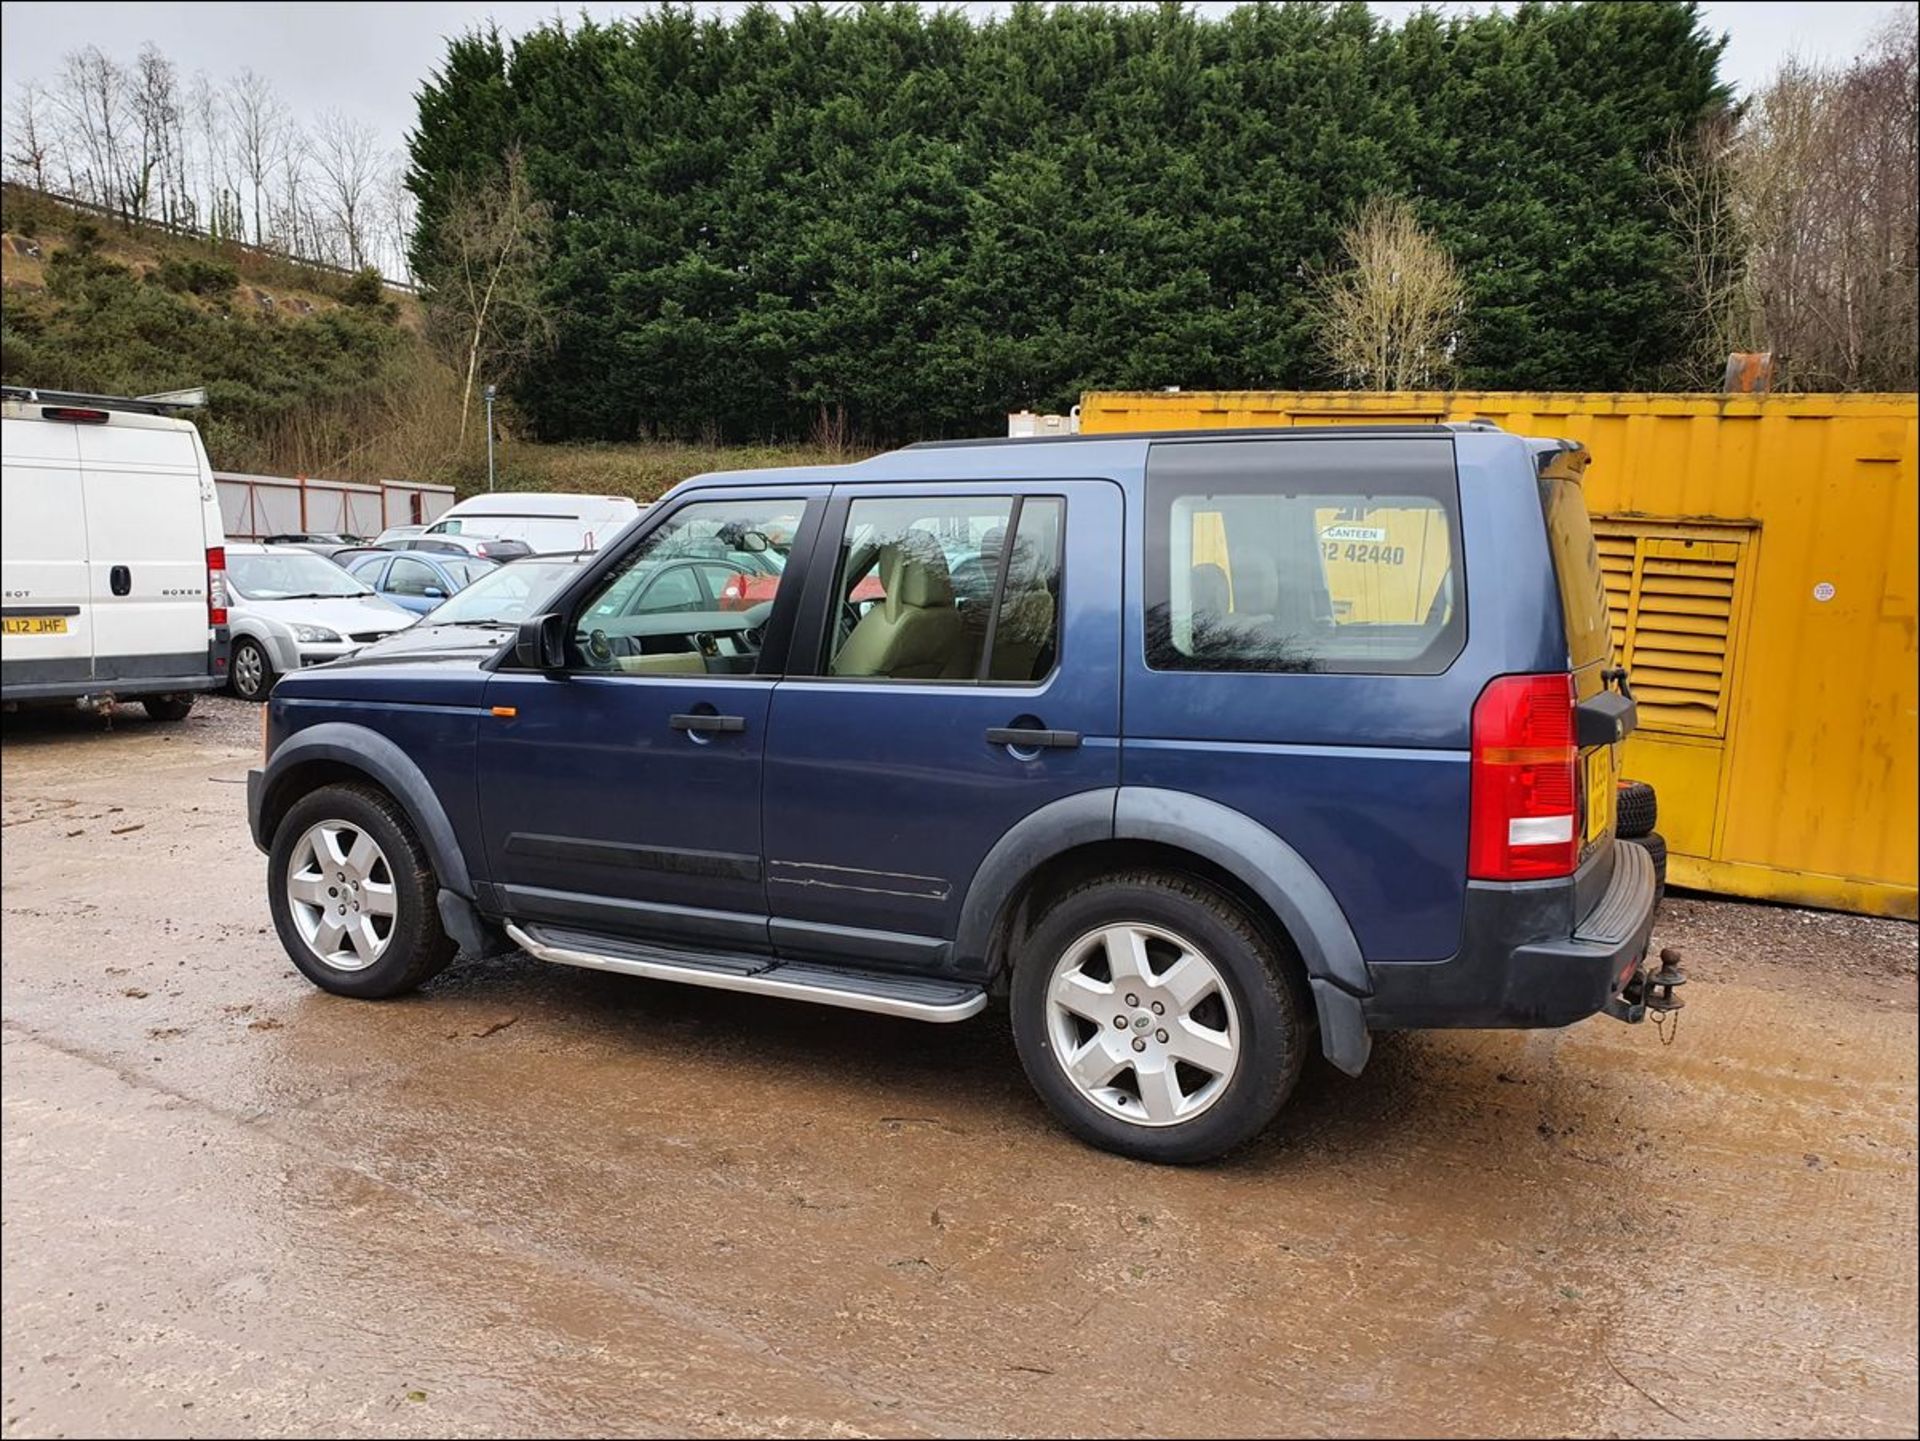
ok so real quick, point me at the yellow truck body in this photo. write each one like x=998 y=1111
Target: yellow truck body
x=1760 y=557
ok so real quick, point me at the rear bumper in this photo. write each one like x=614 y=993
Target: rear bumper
x=122 y=689
x=1524 y=961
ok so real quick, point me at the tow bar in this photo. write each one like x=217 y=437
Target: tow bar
x=1655 y=992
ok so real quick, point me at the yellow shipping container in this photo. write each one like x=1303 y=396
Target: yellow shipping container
x=1760 y=562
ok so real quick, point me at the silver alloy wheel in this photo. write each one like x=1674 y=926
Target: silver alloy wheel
x=341 y=895
x=249 y=669
x=1143 y=1024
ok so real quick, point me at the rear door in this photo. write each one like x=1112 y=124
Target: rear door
x=146 y=531
x=47 y=614
x=897 y=747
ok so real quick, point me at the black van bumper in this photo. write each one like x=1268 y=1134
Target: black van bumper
x=1525 y=958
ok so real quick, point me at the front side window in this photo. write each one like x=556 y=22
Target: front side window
x=412 y=577
x=960 y=589
x=1304 y=573
x=655 y=614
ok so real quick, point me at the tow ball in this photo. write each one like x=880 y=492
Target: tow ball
x=1659 y=987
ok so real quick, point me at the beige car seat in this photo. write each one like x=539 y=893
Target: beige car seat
x=913 y=632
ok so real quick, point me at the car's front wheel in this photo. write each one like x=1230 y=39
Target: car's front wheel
x=1156 y=1019
x=250 y=672
x=354 y=896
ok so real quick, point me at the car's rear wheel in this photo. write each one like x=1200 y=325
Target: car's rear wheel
x=354 y=896
x=168 y=707
x=1155 y=1018
x=250 y=672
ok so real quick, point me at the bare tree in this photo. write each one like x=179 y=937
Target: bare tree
x=1801 y=224
x=399 y=211
x=347 y=154
x=153 y=111
x=259 y=132
x=1390 y=319
x=30 y=142
x=484 y=296
x=92 y=95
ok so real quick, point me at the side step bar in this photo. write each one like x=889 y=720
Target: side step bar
x=916 y=998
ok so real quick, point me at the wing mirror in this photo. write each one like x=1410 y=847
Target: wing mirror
x=542 y=642
x=434 y=592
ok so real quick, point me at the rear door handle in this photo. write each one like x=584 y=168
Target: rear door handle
x=1027 y=738
x=708 y=723
x=120 y=580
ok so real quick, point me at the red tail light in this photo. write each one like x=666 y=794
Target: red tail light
x=216 y=585
x=1525 y=817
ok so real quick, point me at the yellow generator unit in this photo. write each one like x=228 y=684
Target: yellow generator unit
x=1759 y=553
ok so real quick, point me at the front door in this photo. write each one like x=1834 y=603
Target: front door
x=623 y=795
x=957 y=668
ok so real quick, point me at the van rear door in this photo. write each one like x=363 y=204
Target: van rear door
x=1583 y=604
x=47 y=615
x=147 y=534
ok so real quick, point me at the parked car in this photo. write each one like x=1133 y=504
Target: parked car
x=417 y=582
x=488 y=547
x=1207 y=776
x=327 y=543
x=498 y=601
x=391 y=537
x=545 y=521
x=112 y=555
x=291 y=609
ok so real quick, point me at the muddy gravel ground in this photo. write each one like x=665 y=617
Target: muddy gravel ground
x=545 y=1201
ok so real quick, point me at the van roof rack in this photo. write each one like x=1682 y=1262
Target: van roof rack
x=167 y=402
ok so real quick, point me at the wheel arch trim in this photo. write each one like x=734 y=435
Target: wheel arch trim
x=381 y=761
x=1239 y=845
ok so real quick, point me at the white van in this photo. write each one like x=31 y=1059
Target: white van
x=546 y=520
x=112 y=554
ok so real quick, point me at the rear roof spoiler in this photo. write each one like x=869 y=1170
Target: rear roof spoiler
x=166 y=403
x=1559 y=459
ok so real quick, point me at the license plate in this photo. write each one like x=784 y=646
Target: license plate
x=1601 y=797
x=34 y=625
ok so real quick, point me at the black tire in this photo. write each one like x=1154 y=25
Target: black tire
x=248 y=689
x=1639 y=811
x=1656 y=848
x=1268 y=993
x=417 y=947
x=168 y=707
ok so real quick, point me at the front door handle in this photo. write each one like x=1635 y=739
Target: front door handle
x=724 y=724
x=1028 y=738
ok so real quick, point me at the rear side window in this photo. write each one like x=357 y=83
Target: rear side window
x=1576 y=566
x=1304 y=556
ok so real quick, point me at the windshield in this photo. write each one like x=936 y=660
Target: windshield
x=508 y=594
x=285 y=574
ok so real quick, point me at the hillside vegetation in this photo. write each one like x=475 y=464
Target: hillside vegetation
x=307 y=372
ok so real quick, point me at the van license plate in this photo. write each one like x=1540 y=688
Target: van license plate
x=1600 y=792
x=34 y=625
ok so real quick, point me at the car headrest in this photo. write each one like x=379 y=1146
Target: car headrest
x=913 y=571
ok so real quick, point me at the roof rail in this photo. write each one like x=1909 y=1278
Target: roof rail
x=1235 y=432
x=165 y=403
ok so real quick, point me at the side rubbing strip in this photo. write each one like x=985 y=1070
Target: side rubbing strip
x=727 y=864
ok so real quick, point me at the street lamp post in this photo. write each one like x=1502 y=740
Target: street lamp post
x=489 y=437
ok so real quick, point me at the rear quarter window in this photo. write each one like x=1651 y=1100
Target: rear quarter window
x=1304 y=556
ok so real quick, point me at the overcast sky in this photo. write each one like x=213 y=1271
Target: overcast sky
x=367 y=60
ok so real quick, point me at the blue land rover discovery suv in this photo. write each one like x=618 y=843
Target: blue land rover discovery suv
x=1195 y=747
